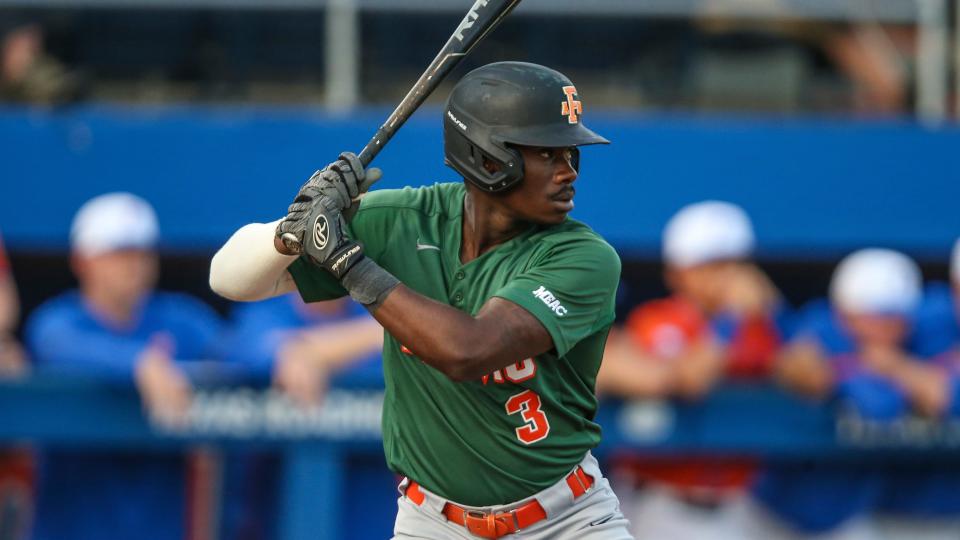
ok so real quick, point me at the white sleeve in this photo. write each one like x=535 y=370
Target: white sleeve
x=249 y=268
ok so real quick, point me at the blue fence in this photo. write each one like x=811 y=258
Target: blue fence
x=815 y=188
x=317 y=444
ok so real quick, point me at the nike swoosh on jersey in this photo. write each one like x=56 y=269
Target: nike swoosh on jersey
x=421 y=247
x=601 y=521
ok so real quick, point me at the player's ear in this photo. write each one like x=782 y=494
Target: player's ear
x=490 y=166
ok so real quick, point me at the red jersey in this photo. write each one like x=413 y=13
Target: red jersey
x=4 y=263
x=664 y=329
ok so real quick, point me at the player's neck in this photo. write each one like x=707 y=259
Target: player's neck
x=485 y=226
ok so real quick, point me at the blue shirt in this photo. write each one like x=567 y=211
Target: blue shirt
x=936 y=336
x=817 y=497
x=65 y=336
x=259 y=330
x=101 y=495
x=936 y=330
x=922 y=489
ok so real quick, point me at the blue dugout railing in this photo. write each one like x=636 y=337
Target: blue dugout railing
x=317 y=444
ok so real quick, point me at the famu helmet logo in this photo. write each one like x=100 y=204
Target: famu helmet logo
x=321 y=232
x=571 y=108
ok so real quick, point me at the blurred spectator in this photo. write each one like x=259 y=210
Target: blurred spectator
x=921 y=500
x=28 y=74
x=720 y=323
x=16 y=466
x=864 y=333
x=12 y=360
x=936 y=334
x=854 y=351
x=117 y=328
x=877 y=60
x=294 y=343
x=300 y=347
x=773 y=63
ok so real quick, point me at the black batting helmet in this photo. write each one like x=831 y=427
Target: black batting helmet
x=507 y=103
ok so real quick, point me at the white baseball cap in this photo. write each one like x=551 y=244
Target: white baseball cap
x=707 y=231
x=112 y=222
x=877 y=281
x=955 y=262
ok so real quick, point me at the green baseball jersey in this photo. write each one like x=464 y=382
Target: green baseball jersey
x=519 y=429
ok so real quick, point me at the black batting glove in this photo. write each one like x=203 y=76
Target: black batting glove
x=327 y=245
x=355 y=178
x=341 y=181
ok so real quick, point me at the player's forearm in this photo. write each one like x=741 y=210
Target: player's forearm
x=9 y=304
x=927 y=387
x=698 y=370
x=338 y=345
x=459 y=345
x=248 y=267
x=631 y=377
x=627 y=371
x=803 y=369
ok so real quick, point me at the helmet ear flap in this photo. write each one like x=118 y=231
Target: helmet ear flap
x=514 y=167
x=467 y=158
x=510 y=172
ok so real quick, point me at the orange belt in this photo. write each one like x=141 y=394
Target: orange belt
x=490 y=525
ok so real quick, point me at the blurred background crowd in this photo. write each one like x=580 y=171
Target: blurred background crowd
x=883 y=57
x=709 y=300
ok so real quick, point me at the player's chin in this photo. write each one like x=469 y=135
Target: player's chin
x=552 y=217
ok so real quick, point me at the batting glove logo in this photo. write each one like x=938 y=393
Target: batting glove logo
x=321 y=232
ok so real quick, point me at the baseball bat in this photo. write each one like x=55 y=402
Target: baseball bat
x=479 y=21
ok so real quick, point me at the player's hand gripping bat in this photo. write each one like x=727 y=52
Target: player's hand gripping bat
x=482 y=18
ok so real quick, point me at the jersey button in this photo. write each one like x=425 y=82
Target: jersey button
x=460 y=275
x=458 y=298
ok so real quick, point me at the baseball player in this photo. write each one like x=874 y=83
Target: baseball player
x=13 y=362
x=923 y=502
x=496 y=307
x=16 y=464
x=854 y=351
x=117 y=327
x=723 y=321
